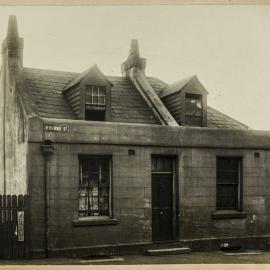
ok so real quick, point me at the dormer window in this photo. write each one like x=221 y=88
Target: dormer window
x=89 y=95
x=95 y=103
x=186 y=100
x=193 y=109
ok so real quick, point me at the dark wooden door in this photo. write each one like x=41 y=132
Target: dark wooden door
x=162 y=202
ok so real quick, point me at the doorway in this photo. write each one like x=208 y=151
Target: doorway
x=163 y=203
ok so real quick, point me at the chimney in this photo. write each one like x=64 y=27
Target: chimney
x=134 y=69
x=13 y=45
x=133 y=62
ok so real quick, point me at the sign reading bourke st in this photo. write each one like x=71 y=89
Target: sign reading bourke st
x=57 y=128
x=21 y=226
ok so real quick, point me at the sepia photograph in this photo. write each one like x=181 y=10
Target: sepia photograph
x=134 y=135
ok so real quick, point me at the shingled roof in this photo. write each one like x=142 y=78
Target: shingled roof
x=177 y=86
x=174 y=87
x=217 y=119
x=45 y=88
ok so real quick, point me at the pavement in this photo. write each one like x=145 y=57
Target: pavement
x=215 y=257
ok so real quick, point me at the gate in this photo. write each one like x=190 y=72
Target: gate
x=14 y=227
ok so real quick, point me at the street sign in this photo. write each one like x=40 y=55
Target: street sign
x=56 y=128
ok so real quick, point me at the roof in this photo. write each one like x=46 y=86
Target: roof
x=45 y=88
x=174 y=87
x=157 y=84
x=80 y=76
x=178 y=86
x=217 y=119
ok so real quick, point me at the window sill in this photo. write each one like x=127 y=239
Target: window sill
x=94 y=222
x=228 y=214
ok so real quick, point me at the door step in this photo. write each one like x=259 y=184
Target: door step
x=97 y=259
x=168 y=251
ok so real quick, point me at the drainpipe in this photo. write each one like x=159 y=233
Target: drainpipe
x=47 y=151
x=4 y=120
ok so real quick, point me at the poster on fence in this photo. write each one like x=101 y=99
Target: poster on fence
x=21 y=226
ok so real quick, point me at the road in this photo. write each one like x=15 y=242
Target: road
x=256 y=257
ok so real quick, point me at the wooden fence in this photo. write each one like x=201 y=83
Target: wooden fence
x=14 y=227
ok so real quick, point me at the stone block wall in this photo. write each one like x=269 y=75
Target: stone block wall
x=131 y=195
x=198 y=195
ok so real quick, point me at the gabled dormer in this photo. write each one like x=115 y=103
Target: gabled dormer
x=187 y=102
x=89 y=95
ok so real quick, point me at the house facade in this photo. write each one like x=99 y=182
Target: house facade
x=120 y=163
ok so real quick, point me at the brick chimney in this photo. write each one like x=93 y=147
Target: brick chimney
x=134 y=62
x=12 y=46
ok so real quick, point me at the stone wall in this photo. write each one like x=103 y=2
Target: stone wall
x=131 y=196
x=131 y=199
x=198 y=194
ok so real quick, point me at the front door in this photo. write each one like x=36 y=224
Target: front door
x=162 y=199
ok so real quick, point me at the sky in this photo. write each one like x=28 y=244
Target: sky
x=227 y=47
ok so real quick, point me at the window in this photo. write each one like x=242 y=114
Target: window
x=94 y=186
x=229 y=190
x=162 y=165
x=193 y=110
x=95 y=103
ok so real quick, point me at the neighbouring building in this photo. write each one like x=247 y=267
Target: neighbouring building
x=120 y=163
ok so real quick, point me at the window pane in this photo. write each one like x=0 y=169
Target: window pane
x=193 y=109
x=162 y=164
x=193 y=120
x=82 y=202
x=229 y=202
x=101 y=100
x=228 y=180
x=94 y=90
x=94 y=189
x=95 y=100
x=193 y=106
x=95 y=95
x=102 y=91
x=228 y=164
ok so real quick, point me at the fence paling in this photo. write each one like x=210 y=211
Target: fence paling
x=10 y=247
x=1 y=229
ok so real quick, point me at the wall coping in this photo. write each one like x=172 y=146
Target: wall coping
x=112 y=133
